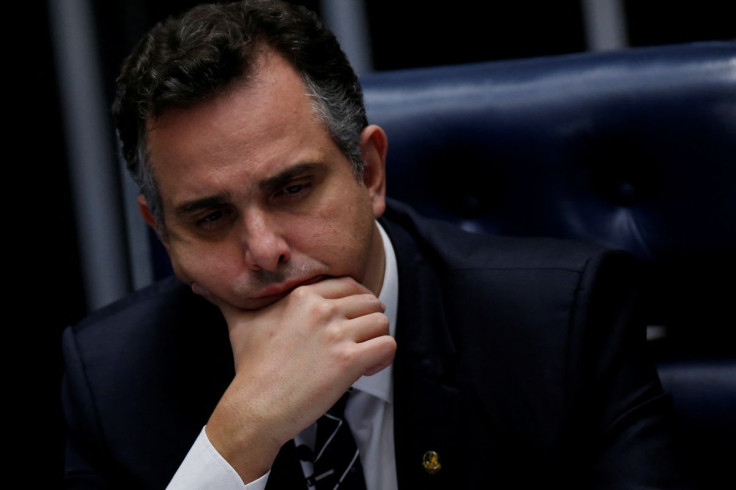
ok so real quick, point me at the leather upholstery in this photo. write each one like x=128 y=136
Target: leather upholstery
x=634 y=149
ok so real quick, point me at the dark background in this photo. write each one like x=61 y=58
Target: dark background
x=46 y=285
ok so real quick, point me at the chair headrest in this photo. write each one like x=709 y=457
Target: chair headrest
x=634 y=149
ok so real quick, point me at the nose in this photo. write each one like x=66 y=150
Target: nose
x=264 y=245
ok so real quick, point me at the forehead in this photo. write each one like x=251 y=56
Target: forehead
x=274 y=88
x=253 y=126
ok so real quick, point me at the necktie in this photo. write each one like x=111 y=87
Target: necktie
x=336 y=459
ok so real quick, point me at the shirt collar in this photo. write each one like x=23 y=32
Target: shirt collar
x=381 y=383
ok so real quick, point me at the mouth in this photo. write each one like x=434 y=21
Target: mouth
x=274 y=293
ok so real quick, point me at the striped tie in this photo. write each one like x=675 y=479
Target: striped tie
x=336 y=460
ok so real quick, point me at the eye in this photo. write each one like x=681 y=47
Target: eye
x=294 y=190
x=214 y=219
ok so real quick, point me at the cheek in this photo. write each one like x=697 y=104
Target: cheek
x=341 y=237
x=209 y=266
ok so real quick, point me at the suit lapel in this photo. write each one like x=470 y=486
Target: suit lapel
x=425 y=404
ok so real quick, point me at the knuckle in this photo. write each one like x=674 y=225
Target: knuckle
x=333 y=333
x=324 y=308
x=388 y=347
x=375 y=302
x=300 y=293
x=382 y=321
x=344 y=358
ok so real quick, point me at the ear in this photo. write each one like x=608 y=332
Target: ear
x=373 y=148
x=148 y=217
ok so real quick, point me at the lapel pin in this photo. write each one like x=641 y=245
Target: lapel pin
x=431 y=462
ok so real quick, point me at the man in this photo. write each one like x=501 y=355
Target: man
x=470 y=361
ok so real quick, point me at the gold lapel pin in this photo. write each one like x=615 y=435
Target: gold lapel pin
x=431 y=462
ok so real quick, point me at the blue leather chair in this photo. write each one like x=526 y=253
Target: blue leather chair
x=634 y=149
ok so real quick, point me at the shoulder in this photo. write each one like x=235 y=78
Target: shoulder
x=142 y=344
x=155 y=314
x=513 y=281
x=450 y=247
x=142 y=375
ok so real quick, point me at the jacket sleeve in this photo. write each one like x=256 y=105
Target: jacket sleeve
x=83 y=444
x=621 y=411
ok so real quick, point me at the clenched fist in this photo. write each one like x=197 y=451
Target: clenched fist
x=293 y=360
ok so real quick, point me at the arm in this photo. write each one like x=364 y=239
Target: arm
x=80 y=468
x=204 y=467
x=622 y=405
x=293 y=360
x=109 y=441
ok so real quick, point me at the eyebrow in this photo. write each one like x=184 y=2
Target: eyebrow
x=270 y=184
x=277 y=181
x=190 y=207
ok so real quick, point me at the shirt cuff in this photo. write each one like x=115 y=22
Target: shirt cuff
x=204 y=467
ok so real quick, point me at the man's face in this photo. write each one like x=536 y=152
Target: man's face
x=258 y=199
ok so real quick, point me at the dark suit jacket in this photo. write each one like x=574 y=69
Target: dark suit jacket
x=521 y=362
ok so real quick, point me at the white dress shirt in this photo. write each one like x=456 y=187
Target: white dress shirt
x=369 y=413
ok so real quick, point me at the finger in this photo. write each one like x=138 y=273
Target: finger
x=358 y=305
x=377 y=354
x=336 y=287
x=368 y=327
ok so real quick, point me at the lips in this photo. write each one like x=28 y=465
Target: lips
x=278 y=291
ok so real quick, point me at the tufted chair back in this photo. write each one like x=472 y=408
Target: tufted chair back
x=634 y=149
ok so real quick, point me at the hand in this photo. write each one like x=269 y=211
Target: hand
x=293 y=360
